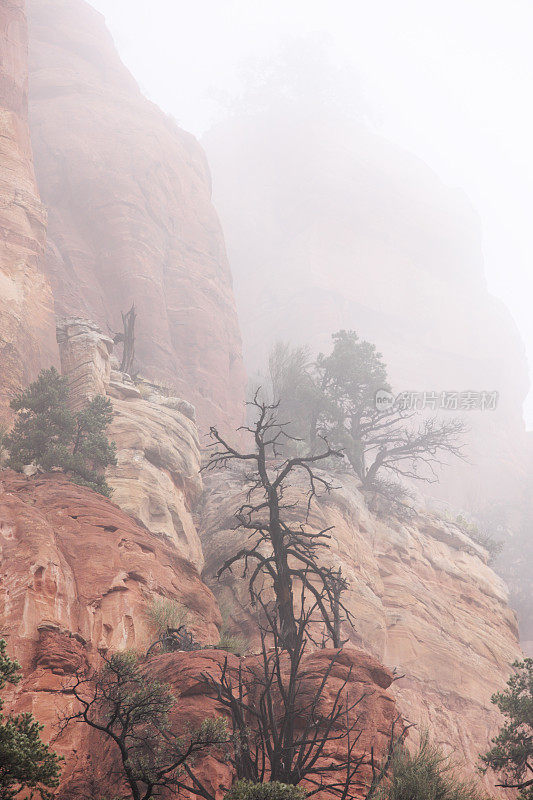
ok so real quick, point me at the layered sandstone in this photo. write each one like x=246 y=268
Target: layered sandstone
x=423 y=598
x=27 y=340
x=157 y=477
x=130 y=215
x=74 y=562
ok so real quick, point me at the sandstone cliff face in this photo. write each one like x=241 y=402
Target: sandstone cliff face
x=76 y=576
x=27 y=339
x=130 y=214
x=73 y=561
x=423 y=598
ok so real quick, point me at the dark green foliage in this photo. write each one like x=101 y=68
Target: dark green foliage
x=512 y=754
x=425 y=775
x=246 y=790
x=26 y=763
x=132 y=711
x=49 y=435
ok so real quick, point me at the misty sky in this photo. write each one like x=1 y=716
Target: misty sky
x=450 y=81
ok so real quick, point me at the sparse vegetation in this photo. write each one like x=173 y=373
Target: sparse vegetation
x=425 y=774
x=281 y=726
x=335 y=398
x=237 y=645
x=26 y=763
x=246 y=790
x=164 y=613
x=50 y=436
x=492 y=545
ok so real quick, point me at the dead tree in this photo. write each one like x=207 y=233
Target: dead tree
x=282 y=552
x=281 y=732
x=127 y=337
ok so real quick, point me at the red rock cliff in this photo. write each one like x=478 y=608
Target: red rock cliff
x=130 y=214
x=27 y=330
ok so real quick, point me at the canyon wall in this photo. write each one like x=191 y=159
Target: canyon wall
x=330 y=226
x=130 y=217
x=27 y=335
x=423 y=598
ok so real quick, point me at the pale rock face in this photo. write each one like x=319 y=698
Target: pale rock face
x=26 y=306
x=85 y=359
x=424 y=601
x=157 y=478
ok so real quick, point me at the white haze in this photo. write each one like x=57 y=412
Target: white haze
x=451 y=82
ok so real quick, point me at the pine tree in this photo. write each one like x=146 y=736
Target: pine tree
x=49 y=435
x=26 y=763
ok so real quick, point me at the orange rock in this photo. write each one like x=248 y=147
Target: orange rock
x=195 y=702
x=72 y=561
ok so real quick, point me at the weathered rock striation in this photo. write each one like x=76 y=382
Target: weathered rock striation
x=76 y=577
x=423 y=598
x=72 y=561
x=27 y=340
x=130 y=215
x=157 y=478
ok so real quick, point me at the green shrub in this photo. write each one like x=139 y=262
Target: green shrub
x=512 y=752
x=237 y=645
x=425 y=775
x=246 y=790
x=46 y=433
x=163 y=613
x=26 y=763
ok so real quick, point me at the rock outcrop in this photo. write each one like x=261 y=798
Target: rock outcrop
x=91 y=762
x=130 y=214
x=27 y=340
x=72 y=561
x=157 y=478
x=423 y=599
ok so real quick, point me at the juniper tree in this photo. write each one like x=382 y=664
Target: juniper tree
x=511 y=756
x=48 y=434
x=336 y=398
x=132 y=711
x=26 y=763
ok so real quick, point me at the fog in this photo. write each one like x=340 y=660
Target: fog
x=450 y=82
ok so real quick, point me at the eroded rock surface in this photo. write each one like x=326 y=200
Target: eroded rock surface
x=423 y=597
x=157 y=478
x=72 y=560
x=27 y=340
x=95 y=764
